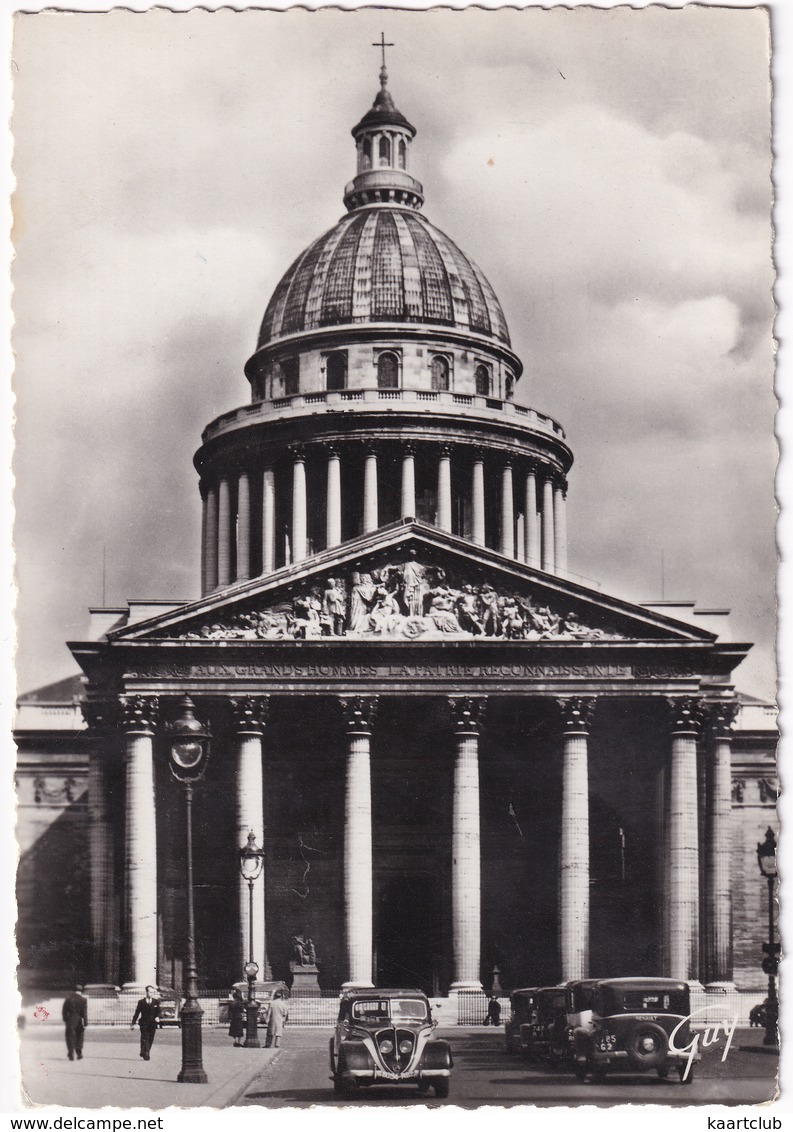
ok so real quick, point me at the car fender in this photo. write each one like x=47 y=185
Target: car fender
x=437 y=1055
x=582 y=1041
x=354 y=1055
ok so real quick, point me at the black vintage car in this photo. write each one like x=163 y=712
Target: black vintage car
x=576 y=1014
x=522 y=1007
x=387 y=1037
x=638 y=1025
x=542 y=1036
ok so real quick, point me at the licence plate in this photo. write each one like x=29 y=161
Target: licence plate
x=389 y=1076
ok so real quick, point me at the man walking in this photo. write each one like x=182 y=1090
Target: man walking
x=75 y=1018
x=147 y=1014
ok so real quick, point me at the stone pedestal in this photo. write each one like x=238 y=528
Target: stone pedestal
x=304 y=979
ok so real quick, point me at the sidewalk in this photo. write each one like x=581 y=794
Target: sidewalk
x=112 y=1074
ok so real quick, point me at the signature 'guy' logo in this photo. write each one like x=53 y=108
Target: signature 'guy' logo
x=711 y=1034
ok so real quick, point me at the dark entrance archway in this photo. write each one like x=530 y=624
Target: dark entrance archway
x=407 y=932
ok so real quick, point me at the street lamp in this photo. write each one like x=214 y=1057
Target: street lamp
x=188 y=752
x=766 y=859
x=251 y=865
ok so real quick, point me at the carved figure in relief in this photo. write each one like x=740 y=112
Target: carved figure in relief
x=488 y=604
x=511 y=620
x=361 y=602
x=468 y=611
x=413 y=586
x=334 y=606
x=441 y=611
x=386 y=615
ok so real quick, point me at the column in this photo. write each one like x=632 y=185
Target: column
x=250 y=718
x=467 y=715
x=224 y=532
x=560 y=529
x=268 y=520
x=408 y=483
x=299 y=514
x=718 y=958
x=683 y=848
x=138 y=721
x=359 y=713
x=574 y=861
x=507 y=546
x=445 y=489
x=204 y=507
x=211 y=576
x=532 y=521
x=370 y=508
x=99 y=717
x=478 y=500
x=547 y=526
x=243 y=527
x=333 y=502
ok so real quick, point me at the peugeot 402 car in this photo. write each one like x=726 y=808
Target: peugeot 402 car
x=387 y=1037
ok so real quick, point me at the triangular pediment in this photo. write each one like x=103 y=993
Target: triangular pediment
x=410 y=582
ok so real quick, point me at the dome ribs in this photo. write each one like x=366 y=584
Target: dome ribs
x=435 y=289
x=410 y=270
x=497 y=320
x=362 y=282
x=465 y=313
x=295 y=316
x=271 y=323
x=337 y=298
x=314 y=302
x=388 y=284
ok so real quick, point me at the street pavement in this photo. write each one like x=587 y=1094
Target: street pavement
x=485 y=1074
x=112 y=1073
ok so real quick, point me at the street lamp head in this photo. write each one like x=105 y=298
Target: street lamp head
x=766 y=855
x=251 y=859
x=189 y=744
x=251 y=969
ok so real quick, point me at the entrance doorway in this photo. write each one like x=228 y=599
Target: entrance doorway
x=407 y=933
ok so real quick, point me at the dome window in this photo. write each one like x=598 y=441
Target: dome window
x=384 y=151
x=509 y=387
x=387 y=371
x=403 y=150
x=367 y=153
x=482 y=379
x=439 y=367
x=336 y=371
x=290 y=376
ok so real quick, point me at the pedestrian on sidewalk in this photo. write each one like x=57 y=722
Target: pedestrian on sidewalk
x=493 y=1016
x=237 y=1017
x=276 y=1020
x=75 y=1018
x=147 y=1014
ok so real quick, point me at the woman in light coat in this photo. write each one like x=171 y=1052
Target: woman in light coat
x=279 y=1012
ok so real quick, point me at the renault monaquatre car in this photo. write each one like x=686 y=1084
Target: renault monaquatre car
x=386 y=1037
x=523 y=1004
x=637 y=1025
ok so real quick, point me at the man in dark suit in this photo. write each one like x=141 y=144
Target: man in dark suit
x=75 y=1018
x=147 y=1014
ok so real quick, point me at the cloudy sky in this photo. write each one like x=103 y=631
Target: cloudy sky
x=608 y=170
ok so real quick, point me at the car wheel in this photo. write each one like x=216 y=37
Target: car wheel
x=663 y=1072
x=424 y=1088
x=580 y=1070
x=646 y=1045
x=441 y=1087
x=685 y=1078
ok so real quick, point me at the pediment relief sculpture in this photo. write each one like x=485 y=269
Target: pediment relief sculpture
x=401 y=601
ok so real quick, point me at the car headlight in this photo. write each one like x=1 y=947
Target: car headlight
x=405 y=1047
x=387 y=1047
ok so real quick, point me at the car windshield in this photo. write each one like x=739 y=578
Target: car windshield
x=383 y=1009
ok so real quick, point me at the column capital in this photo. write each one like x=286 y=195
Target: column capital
x=685 y=714
x=333 y=451
x=101 y=715
x=577 y=713
x=719 y=718
x=445 y=450
x=370 y=447
x=140 y=714
x=250 y=714
x=478 y=454
x=359 y=713
x=408 y=448
x=297 y=452
x=468 y=713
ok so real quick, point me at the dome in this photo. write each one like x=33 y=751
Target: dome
x=383 y=264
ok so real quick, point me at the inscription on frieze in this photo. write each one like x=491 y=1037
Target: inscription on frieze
x=313 y=671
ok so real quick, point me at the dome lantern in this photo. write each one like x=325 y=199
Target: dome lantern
x=382 y=140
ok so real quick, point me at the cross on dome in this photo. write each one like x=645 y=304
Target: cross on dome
x=383 y=72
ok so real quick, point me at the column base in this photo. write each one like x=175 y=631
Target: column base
x=467 y=985
x=354 y=984
x=720 y=988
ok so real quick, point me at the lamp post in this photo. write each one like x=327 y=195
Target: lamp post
x=766 y=859
x=251 y=864
x=187 y=757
